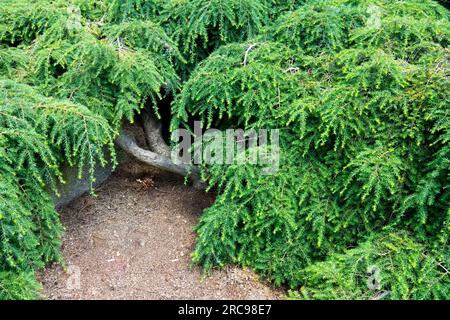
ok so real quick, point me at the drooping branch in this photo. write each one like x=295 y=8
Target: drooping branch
x=128 y=143
x=153 y=134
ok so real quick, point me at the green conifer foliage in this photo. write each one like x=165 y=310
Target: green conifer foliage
x=69 y=74
x=37 y=135
x=363 y=108
x=21 y=286
x=278 y=7
x=358 y=89
x=123 y=10
x=200 y=27
x=386 y=265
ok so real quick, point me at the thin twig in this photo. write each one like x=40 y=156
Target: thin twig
x=292 y=69
x=247 y=52
x=446 y=270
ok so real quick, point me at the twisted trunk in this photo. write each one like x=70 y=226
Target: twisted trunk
x=159 y=153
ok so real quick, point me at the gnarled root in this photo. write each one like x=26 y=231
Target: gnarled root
x=153 y=135
x=128 y=143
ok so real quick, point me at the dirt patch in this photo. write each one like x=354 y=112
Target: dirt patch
x=134 y=240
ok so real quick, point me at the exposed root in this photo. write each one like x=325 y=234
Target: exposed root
x=153 y=135
x=128 y=143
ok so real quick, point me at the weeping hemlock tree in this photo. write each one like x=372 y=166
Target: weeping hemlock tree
x=360 y=206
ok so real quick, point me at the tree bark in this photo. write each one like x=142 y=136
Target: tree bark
x=128 y=143
x=153 y=134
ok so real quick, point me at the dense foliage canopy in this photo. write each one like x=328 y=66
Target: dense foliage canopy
x=358 y=89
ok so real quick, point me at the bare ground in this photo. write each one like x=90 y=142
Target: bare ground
x=134 y=240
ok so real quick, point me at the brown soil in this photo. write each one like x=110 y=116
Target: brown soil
x=134 y=240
